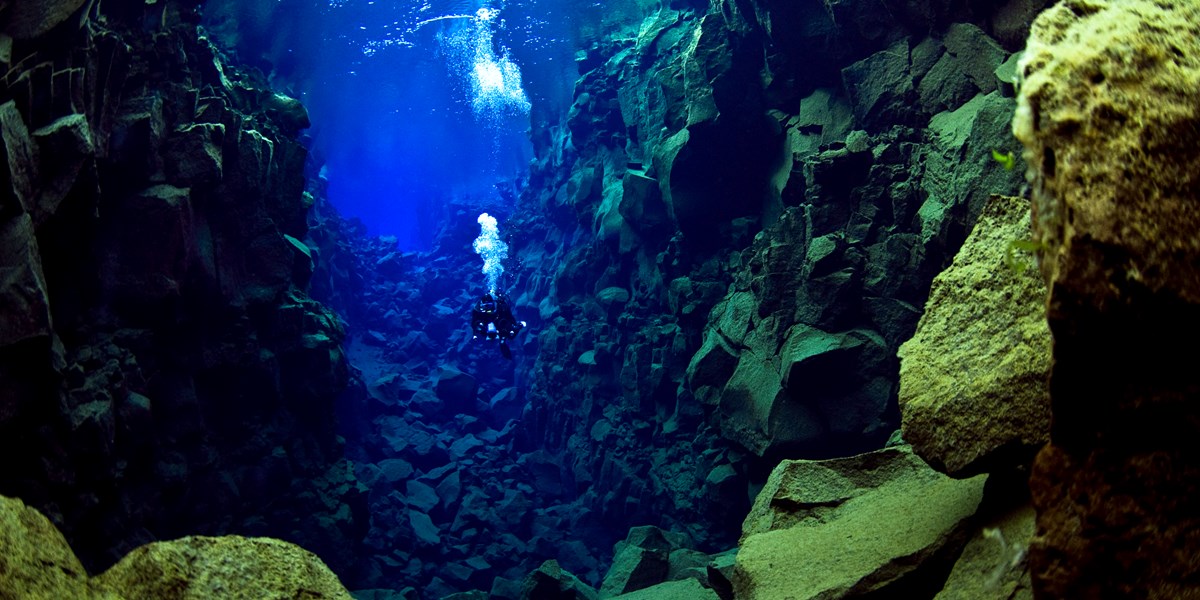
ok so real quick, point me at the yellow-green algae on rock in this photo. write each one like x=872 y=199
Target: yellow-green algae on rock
x=35 y=560
x=230 y=566
x=36 y=563
x=849 y=526
x=1109 y=118
x=1109 y=113
x=974 y=390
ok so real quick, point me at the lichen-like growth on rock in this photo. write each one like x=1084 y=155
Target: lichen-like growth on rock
x=1111 y=127
x=37 y=563
x=973 y=392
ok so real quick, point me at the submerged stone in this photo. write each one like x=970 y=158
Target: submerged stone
x=194 y=568
x=38 y=563
x=880 y=87
x=851 y=526
x=684 y=589
x=974 y=379
x=1111 y=127
x=552 y=582
x=994 y=563
x=640 y=561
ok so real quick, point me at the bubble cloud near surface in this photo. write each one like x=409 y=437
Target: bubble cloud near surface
x=493 y=250
x=493 y=79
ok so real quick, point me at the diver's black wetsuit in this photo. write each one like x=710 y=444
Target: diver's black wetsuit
x=492 y=319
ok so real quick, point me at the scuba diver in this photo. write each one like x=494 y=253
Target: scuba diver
x=492 y=319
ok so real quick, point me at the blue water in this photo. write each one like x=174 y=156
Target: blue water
x=419 y=111
x=401 y=123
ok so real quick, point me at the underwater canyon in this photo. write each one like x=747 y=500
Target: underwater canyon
x=818 y=299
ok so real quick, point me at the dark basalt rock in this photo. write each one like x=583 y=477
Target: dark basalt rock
x=28 y=20
x=718 y=248
x=803 y=243
x=551 y=582
x=164 y=371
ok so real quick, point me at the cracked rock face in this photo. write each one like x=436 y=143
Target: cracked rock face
x=1111 y=126
x=159 y=357
x=29 y=19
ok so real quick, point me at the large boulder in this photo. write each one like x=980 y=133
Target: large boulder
x=881 y=87
x=684 y=589
x=456 y=391
x=65 y=149
x=157 y=246
x=22 y=283
x=229 y=567
x=38 y=563
x=20 y=154
x=964 y=69
x=974 y=389
x=960 y=171
x=1111 y=128
x=850 y=526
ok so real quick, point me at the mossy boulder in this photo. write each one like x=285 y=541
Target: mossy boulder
x=37 y=563
x=974 y=379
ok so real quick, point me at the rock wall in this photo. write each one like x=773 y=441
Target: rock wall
x=734 y=229
x=1109 y=119
x=718 y=249
x=162 y=371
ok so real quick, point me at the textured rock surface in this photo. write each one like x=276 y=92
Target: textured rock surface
x=641 y=560
x=551 y=582
x=1109 y=118
x=687 y=589
x=194 y=568
x=38 y=563
x=26 y=19
x=974 y=379
x=994 y=563
x=827 y=529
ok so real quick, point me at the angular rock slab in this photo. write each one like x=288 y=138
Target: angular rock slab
x=22 y=283
x=639 y=562
x=684 y=589
x=1111 y=127
x=551 y=582
x=850 y=526
x=993 y=564
x=974 y=389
